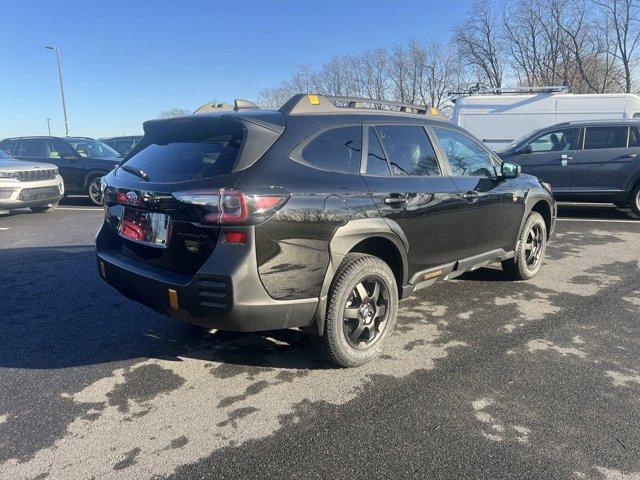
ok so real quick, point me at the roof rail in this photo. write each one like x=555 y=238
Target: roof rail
x=238 y=104
x=314 y=103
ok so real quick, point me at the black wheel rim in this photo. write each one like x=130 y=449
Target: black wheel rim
x=366 y=313
x=94 y=192
x=534 y=246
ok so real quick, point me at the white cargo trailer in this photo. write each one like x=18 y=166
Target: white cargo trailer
x=499 y=119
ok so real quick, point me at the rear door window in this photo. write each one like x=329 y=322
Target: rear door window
x=605 y=137
x=409 y=149
x=376 y=160
x=337 y=150
x=181 y=152
x=31 y=148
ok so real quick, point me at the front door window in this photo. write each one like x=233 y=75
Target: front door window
x=556 y=141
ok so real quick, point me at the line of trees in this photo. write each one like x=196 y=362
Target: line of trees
x=589 y=45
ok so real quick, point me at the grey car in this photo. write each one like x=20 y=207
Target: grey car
x=594 y=161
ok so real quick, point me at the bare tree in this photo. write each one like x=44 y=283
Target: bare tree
x=479 y=39
x=522 y=42
x=623 y=17
x=174 y=112
x=273 y=97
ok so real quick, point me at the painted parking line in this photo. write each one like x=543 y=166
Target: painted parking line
x=82 y=209
x=601 y=220
x=5 y=228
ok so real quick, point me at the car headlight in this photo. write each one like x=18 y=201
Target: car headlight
x=7 y=175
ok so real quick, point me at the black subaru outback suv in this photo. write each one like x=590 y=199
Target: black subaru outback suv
x=320 y=215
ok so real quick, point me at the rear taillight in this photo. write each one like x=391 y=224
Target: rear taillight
x=233 y=207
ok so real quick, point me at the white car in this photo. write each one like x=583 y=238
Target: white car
x=38 y=186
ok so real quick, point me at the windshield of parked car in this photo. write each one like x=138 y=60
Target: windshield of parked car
x=518 y=141
x=93 y=148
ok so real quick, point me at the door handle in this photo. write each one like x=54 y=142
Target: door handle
x=395 y=199
x=564 y=159
x=471 y=196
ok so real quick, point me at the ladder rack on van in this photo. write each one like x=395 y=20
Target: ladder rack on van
x=512 y=90
x=313 y=103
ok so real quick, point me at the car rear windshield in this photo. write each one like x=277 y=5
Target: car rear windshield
x=184 y=150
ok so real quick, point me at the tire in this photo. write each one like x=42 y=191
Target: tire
x=43 y=209
x=531 y=247
x=94 y=192
x=635 y=200
x=365 y=289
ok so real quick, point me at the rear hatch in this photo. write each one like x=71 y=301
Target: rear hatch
x=154 y=212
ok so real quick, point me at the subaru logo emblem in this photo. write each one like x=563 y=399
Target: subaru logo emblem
x=132 y=197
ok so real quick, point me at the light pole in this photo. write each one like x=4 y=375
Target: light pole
x=433 y=83
x=49 y=125
x=64 y=103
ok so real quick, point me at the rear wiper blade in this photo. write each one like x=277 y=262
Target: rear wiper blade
x=136 y=171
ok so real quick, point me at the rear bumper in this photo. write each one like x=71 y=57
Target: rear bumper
x=226 y=293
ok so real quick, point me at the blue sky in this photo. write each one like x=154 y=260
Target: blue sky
x=126 y=61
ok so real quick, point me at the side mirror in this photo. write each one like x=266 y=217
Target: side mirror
x=524 y=149
x=510 y=170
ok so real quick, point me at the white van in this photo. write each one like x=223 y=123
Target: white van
x=500 y=119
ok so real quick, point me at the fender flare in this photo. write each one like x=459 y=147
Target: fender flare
x=344 y=239
x=533 y=197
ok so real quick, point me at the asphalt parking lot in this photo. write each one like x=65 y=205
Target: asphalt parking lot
x=482 y=379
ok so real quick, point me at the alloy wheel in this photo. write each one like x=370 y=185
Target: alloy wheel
x=534 y=246
x=95 y=194
x=365 y=314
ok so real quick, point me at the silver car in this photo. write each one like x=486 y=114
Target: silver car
x=23 y=184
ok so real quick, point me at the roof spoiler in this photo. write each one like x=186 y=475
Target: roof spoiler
x=238 y=104
x=313 y=103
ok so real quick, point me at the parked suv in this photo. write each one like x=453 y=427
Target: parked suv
x=321 y=216
x=122 y=145
x=28 y=184
x=595 y=161
x=82 y=161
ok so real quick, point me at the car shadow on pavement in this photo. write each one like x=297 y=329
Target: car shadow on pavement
x=58 y=313
x=77 y=201
x=604 y=211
